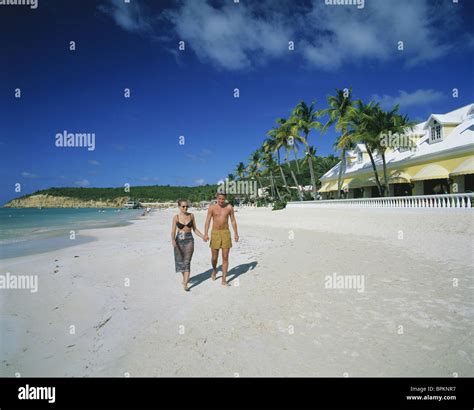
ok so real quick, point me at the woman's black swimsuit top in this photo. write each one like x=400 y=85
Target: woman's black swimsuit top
x=181 y=226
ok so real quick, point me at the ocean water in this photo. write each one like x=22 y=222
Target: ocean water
x=32 y=230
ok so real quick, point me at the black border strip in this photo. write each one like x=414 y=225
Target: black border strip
x=240 y=393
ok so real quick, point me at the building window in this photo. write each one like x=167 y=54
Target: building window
x=360 y=157
x=435 y=132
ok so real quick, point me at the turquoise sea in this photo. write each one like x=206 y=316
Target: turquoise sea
x=32 y=230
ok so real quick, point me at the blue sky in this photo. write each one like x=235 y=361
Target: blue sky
x=190 y=93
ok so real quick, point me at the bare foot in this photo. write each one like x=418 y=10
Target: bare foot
x=213 y=274
x=225 y=283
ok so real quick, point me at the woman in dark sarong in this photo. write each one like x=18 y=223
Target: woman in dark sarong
x=183 y=241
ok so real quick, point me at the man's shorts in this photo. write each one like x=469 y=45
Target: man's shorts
x=220 y=239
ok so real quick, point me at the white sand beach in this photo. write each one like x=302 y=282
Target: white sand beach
x=277 y=319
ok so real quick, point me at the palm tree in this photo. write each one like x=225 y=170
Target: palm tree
x=359 y=123
x=255 y=166
x=304 y=117
x=380 y=123
x=343 y=144
x=275 y=143
x=309 y=156
x=231 y=177
x=240 y=170
x=289 y=138
x=337 y=112
x=271 y=165
x=324 y=164
x=293 y=141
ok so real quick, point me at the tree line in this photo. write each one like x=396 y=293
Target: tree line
x=356 y=122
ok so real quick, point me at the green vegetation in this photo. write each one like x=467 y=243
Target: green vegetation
x=358 y=123
x=155 y=193
x=367 y=124
x=277 y=205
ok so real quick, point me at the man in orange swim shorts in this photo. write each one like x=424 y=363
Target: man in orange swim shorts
x=220 y=234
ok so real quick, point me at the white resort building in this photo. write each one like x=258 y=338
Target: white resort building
x=438 y=158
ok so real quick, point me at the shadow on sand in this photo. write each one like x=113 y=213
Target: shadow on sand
x=234 y=273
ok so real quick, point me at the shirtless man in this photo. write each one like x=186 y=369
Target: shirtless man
x=220 y=234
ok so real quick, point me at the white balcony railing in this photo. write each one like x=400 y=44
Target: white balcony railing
x=418 y=201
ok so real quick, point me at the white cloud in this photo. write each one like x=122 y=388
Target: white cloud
x=93 y=162
x=199 y=181
x=406 y=99
x=129 y=16
x=469 y=40
x=231 y=36
x=345 y=34
x=25 y=174
x=82 y=182
x=150 y=179
x=200 y=156
x=236 y=36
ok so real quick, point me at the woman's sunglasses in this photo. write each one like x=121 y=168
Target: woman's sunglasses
x=184 y=206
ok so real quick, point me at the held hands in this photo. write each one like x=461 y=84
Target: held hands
x=205 y=238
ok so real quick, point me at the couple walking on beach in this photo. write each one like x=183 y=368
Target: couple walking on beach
x=183 y=241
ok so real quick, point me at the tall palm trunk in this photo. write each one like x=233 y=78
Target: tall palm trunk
x=343 y=164
x=311 y=169
x=270 y=179
x=283 y=174
x=275 y=188
x=272 y=185
x=386 y=188
x=379 y=186
x=284 y=179
x=300 y=195
x=297 y=162
x=339 y=177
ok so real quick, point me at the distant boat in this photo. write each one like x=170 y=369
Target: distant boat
x=131 y=205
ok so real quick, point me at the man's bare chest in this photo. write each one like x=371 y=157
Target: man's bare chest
x=221 y=213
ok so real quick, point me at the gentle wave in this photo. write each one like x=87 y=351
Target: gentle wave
x=23 y=228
